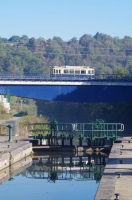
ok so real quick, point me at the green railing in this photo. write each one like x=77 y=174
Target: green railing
x=83 y=131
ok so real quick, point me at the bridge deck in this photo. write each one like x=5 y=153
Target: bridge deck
x=65 y=82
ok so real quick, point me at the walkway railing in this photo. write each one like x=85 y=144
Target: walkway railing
x=57 y=133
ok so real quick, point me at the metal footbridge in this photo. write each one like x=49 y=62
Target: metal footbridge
x=88 y=134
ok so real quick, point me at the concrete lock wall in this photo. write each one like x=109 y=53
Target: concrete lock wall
x=9 y=172
x=8 y=159
x=20 y=153
x=4 y=160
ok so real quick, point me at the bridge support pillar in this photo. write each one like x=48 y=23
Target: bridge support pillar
x=62 y=160
x=103 y=161
x=62 y=141
x=89 y=142
x=49 y=141
x=94 y=142
x=80 y=141
x=71 y=140
x=112 y=141
x=100 y=160
x=80 y=161
x=40 y=142
x=103 y=141
x=71 y=160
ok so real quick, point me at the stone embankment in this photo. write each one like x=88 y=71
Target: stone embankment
x=117 y=177
x=12 y=152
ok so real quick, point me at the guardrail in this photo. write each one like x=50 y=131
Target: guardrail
x=42 y=77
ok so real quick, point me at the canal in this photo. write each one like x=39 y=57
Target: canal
x=53 y=176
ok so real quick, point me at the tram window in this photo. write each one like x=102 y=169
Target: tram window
x=92 y=71
x=89 y=72
x=83 y=71
x=59 y=71
x=71 y=71
x=65 y=71
x=56 y=71
x=77 y=72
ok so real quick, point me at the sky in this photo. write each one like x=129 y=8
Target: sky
x=65 y=18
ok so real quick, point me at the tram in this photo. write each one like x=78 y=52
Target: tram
x=72 y=72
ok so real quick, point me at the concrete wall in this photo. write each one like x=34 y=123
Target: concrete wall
x=8 y=159
x=20 y=153
x=4 y=160
x=8 y=173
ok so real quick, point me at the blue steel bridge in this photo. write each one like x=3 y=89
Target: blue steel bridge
x=103 y=88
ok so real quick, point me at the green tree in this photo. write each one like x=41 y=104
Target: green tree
x=121 y=72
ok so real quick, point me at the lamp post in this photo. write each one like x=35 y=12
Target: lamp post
x=21 y=101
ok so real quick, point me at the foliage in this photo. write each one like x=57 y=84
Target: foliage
x=29 y=55
x=27 y=107
x=3 y=113
x=121 y=72
x=24 y=129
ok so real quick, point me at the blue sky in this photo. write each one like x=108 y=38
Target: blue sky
x=65 y=18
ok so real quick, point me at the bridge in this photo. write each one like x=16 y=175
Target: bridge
x=105 y=88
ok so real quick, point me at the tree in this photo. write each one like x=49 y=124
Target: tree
x=14 y=38
x=25 y=38
x=121 y=72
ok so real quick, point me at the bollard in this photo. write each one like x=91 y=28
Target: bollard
x=119 y=175
x=8 y=145
x=120 y=161
x=117 y=196
x=122 y=146
x=121 y=153
x=129 y=141
x=10 y=132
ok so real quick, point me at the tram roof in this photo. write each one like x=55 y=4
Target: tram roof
x=72 y=67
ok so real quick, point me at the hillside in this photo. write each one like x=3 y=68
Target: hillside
x=30 y=55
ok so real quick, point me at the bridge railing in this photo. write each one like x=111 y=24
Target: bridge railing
x=43 y=77
x=76 y=130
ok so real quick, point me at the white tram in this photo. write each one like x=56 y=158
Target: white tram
x=73 y=71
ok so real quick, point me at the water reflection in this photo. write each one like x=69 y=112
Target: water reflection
x=8 y=173
x=76 y=176
x=56 y=167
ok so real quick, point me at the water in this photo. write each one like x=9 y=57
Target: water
x=53 y=177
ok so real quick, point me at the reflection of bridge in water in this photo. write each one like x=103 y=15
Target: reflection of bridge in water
x=67 y=167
